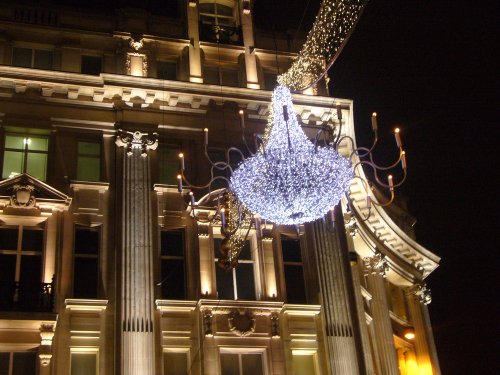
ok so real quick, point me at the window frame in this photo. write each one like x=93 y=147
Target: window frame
x=174 y=257
x=10 y=370
x=302 y=264
x=240 y=351
x=33 y=48
x=215 y=15
x=99 y=157
x=97 y=257
x=178 y=350
x=84 y=350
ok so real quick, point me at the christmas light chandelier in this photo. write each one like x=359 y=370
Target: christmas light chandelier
x=290 y=180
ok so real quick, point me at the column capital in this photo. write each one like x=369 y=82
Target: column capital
x=130 y=140
x=421 y=292
x=376 y=265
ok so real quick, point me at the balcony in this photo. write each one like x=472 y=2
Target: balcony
x=17 y=296
x=221 y=34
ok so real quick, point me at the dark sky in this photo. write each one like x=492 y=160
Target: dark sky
x=431 y=68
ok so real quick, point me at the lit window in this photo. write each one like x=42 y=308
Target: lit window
x=241 y=364
x=91 y=65
x=168 y=163
x=304 y=364
x=216 y=14
x=237 y=283
x=32 y=58
x=173 y=280
x=293 y=270
x=88 y=161
x=26 y=151
x=86 y=262
x=167 y=70
x=84 y=363
x=18 y=363
x=21 y=250
x=175 y=363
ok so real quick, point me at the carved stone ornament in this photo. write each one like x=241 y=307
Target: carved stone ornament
x=128 y=63
x=376 y=265
x=241 y=323
x=131 y=140
x=275 y=327
x=136 y=43
x=207 y=323
x=422 y=293
x=23 y=196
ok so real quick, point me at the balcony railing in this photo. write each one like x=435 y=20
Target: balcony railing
x=221 y=34
x=31 y=297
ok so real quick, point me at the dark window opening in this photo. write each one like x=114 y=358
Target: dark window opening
x=91 y=65
x=294 y=271
x=167 y=70
x=172 y=257
x=86 y=262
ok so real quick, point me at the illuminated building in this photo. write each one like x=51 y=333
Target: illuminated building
x=102 y=269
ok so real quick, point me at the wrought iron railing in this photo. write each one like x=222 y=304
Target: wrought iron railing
x=18 y=296
x=221 y=34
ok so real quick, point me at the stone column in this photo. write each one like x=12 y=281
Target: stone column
x=249 y=43
x=194 y=43
x=333 y=275
x=137 y=290
x=418 y=297
x=375 y=269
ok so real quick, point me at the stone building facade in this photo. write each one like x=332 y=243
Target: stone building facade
x=102 y=268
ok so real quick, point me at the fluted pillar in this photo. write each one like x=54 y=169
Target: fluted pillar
x=418 y=297
x=333 y=275
x=375 y=268
x=137 y=296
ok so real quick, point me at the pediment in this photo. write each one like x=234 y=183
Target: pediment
x=25 y=191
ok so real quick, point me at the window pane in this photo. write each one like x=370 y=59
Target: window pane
x=31 y=270
x=173 y=279
x=291 y=250
x=246 y=251
x=229 y=364
x=211 y=75
x=14 y=141
x=24 y=363
x=89 y=148
x=224 y=10
x=252 y=364
x=167 y=70
x=32 y=239
x=85 y=277
x=38 y=143
x=295 y=287
x=37 y=165
x=43 y=59
x=172 y=243
x=168 y=161
x=225 y=286
x=270 y=81
x=230 y=77
x=7 y=275
x=4 y=363
x=207 y=8
x=83 y=364
x=245 y=282
x=8 y=239
x=86 y=241
x=12 y=164
x=22 y=57
x=175 y=364
x=91 y=65
x=303 y=365
x=88 y=168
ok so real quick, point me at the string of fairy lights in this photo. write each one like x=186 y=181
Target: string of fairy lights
x=332 y=27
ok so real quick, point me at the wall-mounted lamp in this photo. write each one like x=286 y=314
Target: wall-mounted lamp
x=192 y=3
x=409 y=334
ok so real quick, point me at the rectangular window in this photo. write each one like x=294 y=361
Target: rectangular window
x=88 y=161
x=18 y=363
x=241 y=364
x=303 y=364
x=168 y=162
x=21 y=250
x=221 y=76
x=173 y=277
x=84 y=363
x=293 y=270
x=86 y=262
x=32 y=58
x=91 y=65
x=167 y=70
x=237 y=283
x=270 y=80
x=175 y=363
x=25 y=151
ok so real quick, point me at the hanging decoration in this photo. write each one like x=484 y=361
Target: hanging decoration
x=290 y=180
x=331 y=30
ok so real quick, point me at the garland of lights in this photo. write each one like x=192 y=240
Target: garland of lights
x=331 y=30
x=290 y=180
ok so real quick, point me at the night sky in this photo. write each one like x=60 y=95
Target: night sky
x=431 y=68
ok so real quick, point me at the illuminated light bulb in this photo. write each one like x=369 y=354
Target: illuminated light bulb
x=391 y=183
x=205 y=131
x=179 y=183
x=290 y=180
x=223 y=216
x=181 y=158
x=191 y=196
x=403 y=160
x=242 y=118
x=398 y=138
x=409 y=334
x=374 y=121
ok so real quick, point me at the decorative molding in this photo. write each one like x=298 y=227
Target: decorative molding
x=47 y=331
x=242 y=323
x=23 y=196
x=275 y=328
x=136 y=139
x=136 y=43
x=207 y=322
x=376 y=265
x=422 y=293
x=351 y=224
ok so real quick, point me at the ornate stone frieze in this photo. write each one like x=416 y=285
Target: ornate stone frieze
x=23 y=196
x=376 y=265
x=422 y=293
x=136 y=139
x=241 y=323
